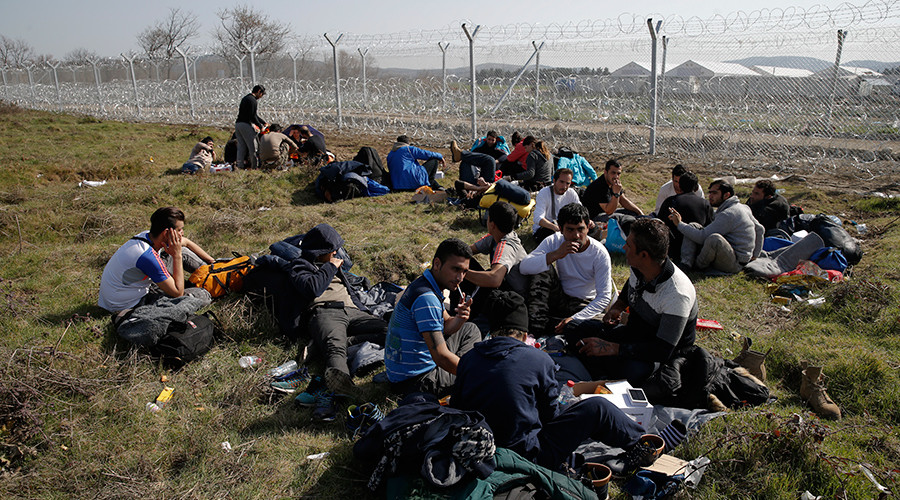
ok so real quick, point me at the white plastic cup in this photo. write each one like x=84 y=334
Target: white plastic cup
x=248 y=361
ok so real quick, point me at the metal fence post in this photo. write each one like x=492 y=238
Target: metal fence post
x=194 y=67
x=56 y=82
x=471 y=37
x=137 y=98
x=662 y=72
x=241 y=67
x=362 y=54
x=93 y=63
x=521 y=72
x=31 y=85
x=187 y=79
x=337 y=78
x=252 y=51
x=294 y=85
x=443 y=46
x=5 y=85
x=537 y=77
x=841 y=34
x=653 y=103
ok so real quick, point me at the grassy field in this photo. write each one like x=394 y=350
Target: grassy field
x=72 y=417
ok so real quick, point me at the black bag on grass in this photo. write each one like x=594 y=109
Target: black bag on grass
x=186 y=341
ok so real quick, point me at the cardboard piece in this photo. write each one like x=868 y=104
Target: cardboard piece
x=669 y=465
x=640 y=413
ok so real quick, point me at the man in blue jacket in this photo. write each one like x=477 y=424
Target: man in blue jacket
x=513 y=385
x=335 y=312
x=406 y=172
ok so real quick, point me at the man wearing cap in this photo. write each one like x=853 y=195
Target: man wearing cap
x=336 y=316
x=406 y=172
x=247 y=127
x=513 y=385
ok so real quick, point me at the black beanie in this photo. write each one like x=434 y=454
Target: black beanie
x=508 y=311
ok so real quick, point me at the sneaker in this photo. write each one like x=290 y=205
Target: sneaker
x=361 y=418
x=338 y=381
x=291 y=382
x=641 y=455
x=325 y=410
x=308 y=397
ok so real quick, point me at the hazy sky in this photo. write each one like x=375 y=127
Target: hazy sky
x=109 y=27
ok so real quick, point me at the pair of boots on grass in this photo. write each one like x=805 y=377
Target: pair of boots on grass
x=812 y=383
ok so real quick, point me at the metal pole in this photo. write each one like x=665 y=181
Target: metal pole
x=841 y=34
x=443 y=46
x=471 y=37
x=137 y=98
x=5 y=85
x=56 y=82
x=362 y=54
x=187 y=79
x=537 y=79
x=241 y=67
x=194 y=67
x=31 y=84
x=653 y=103
x=93 y=63
x=294 y=87
x=512 y=84
x=252 y=51
x=662 y=71
x=72 y=69
x=337 y=78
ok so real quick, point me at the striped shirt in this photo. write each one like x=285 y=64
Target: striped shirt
x=129 y=273
x=419 y=310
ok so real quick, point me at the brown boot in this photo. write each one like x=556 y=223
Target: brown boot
x=817 y=397
x=455 y=152
x=753 y=361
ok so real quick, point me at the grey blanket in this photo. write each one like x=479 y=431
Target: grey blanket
x=782 y=260
x=147 y=323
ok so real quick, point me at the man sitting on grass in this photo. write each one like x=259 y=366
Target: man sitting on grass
x=424 y=342
x=514 y=386
x=138 y=274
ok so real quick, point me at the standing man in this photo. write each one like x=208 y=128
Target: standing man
x=729 y=242
x=663 y=313
x=767 y=206
x=549 y=201
x=247 y=127
x=406 y=172
x=606 y=195
x=581 y=285
x=424 y=342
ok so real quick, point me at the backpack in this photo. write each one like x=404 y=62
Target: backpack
x=220 y=277
x=829 y=258
x=186 y=341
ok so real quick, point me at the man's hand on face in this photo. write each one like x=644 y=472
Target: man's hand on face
x=172 y=242
x=336 y=261
x=617 y=187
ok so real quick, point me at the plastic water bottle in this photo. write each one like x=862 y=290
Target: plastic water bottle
x=284 y=369
x=248 y=361
x=567 y=394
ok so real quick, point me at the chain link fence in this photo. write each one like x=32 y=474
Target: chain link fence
x=792 y=89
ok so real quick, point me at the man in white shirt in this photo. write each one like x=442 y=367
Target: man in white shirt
x=549 y=201
x=580 y=287
x=671 y=189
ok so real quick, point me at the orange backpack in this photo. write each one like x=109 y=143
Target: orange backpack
x=220 y=277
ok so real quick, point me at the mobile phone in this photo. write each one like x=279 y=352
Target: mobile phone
x=637 y=397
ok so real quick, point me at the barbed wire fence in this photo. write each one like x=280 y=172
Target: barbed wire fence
x=792 y=89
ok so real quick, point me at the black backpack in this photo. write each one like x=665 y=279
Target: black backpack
x=187 y=341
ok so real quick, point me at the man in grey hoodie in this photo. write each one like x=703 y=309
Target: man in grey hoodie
x=729 y=242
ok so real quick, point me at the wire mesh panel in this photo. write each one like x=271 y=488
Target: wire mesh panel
x=793 y=88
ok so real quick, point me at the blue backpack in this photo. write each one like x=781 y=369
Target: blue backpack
x=829 y=258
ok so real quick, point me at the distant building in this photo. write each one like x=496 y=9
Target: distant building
x=632 y=69
x=785 y=72
x=846 y=72
x=705 y=69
